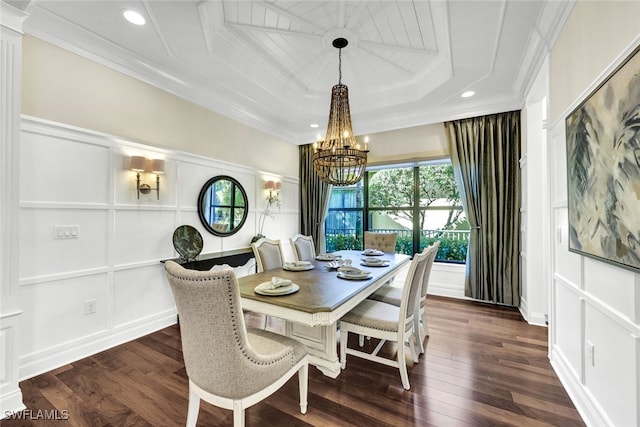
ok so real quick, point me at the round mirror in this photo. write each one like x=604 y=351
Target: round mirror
x=223 y=205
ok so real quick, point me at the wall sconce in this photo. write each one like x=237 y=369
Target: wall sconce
x=274 y=191
x=137 y=164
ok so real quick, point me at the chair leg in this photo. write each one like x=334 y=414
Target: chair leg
x=303 y=383
x=238 y=414
x=402 y=365
x=413 y=347
x=344 y=336
x=423 y=316
x=193 y=409
x=417 y=336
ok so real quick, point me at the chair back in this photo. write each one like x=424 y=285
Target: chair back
x=217 y=355
x=268 y=254
x=431 y=251
x=412 y=285
x=303 y=247
x=385 y=242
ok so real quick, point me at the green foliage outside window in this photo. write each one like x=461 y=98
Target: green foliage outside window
x=454 y=250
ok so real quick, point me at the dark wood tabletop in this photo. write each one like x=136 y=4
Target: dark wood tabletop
x=321 y=290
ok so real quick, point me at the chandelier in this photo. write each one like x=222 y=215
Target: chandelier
x=338 y=159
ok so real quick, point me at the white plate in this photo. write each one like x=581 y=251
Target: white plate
x=262 y=289
x=375 y=264
x=372 y=253
x=354 y=276
x=293 y=267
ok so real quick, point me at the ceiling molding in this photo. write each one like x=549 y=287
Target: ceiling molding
x=271 y=67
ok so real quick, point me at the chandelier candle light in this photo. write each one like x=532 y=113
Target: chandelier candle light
x=338 y=159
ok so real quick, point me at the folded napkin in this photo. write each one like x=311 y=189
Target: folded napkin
x=277 y=282
x=371 y=251
x=352 y=271
x=374 y=260
x=299 y=263
x=328 y=256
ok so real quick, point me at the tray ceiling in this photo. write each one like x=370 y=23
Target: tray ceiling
x=271 y=65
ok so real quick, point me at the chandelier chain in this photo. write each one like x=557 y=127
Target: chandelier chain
x=339 y=66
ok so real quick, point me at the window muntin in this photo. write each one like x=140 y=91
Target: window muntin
x=388 y=205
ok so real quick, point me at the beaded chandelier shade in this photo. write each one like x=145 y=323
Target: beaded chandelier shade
x=338 y=159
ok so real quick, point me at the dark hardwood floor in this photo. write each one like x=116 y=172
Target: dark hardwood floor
x=484 y=366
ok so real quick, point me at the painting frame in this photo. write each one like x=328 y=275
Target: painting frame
x=603 y=169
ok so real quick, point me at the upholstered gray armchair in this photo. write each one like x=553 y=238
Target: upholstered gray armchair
x=228 y=365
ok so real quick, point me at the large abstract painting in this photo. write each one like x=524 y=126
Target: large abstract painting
x=603 y=169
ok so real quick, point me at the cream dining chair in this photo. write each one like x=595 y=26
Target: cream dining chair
x=228 y=365
x=268 y=254
x=386 y=322
x=393 y=295
x=385 y=242
x=303 y=247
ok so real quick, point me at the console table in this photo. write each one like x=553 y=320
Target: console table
x=203 y=262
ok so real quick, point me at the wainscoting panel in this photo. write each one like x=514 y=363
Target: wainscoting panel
x=56 y=169
x=610 y=371
x=77 y=177
x=193 y=176
x=142 y=235
x=54 y=312
x=611 y=284
x=568 y=324
x=42 y=254
x=140 y=293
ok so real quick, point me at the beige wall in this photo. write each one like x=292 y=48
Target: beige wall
x=586 y=46
x=61 y=86
x=410 y=144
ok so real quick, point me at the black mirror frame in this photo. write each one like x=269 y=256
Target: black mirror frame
x=201 y=197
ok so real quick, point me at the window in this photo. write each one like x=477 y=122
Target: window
x=389 y=204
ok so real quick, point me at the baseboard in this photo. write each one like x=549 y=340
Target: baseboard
x=70 y=351
x=589 y=410
x=11 y=402
x=446 y=290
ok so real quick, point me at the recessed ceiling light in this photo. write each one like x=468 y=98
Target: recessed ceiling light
x=468 y=94
x=133 y=17
x=314 y=125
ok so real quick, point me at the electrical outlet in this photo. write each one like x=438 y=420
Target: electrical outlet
x=90 y=306
x=591 y=353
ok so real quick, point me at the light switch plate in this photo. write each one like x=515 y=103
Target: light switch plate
x=66 y=232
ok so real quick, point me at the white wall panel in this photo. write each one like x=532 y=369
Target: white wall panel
x=142 y=235
x=55 y=169
x=611 y=376
x=567 y=264
x=54 y=312
x=42 y=254
x=558 y=161
x=612 y=285
x=568 y=324
x=192 y=177
x=139 y=293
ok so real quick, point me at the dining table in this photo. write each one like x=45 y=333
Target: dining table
x=311 y=314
